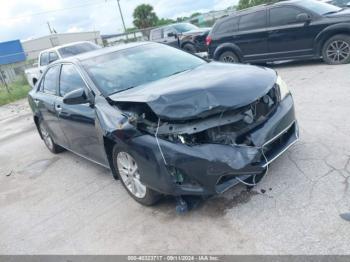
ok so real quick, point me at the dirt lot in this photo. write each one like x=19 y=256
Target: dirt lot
x=66 y=205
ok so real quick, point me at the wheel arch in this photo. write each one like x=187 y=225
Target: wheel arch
x=36 y=121
x=109 y=144
x=324 y=35
x=228 y=47
x=187 y=42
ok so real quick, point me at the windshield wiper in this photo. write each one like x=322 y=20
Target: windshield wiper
x=122 y=90
x=180 y=71
x=333 y=12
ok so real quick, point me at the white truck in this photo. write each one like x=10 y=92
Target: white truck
x=48 y=56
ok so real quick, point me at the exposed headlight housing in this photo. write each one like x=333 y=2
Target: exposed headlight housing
x=284 y=90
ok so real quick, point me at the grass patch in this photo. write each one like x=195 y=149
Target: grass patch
x=18 y=90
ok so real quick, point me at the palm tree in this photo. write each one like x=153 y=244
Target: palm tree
x=144 y=16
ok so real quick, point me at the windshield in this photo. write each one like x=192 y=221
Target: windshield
x=185 y=27
x=77 y=49
x=319 y=7
x=127 y=68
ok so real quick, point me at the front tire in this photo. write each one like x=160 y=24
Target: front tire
x=229 y=57
x=189 y=48
x=336 y=51
x=129 y=174
x=49 y=142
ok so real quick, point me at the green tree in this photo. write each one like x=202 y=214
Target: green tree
x=249 y=3
x=144 y=16
x=195 y=14
x=165 y=21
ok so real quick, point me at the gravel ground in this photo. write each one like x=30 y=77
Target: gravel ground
x=63 y=204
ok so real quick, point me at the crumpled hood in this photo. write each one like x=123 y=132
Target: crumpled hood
x=205 y=90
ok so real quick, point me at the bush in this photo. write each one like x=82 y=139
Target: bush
x=16 y=90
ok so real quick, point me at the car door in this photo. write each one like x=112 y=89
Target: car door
x=78 y=121
x=171 y=37
x=287 y=35
x=251 y=37
x=45 y=99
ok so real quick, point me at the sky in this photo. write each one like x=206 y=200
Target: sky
x=27 y=19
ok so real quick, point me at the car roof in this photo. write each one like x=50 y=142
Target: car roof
x=164 y=26
x=65 y=45
x=255 y=9
x=264 y=6
x=102 y=51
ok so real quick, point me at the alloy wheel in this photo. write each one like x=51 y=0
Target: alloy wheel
x=46 y=137
x=229 y=59
x=338 y=51
x=129 y=173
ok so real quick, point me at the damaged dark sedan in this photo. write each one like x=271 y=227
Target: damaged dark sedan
x=164 y=121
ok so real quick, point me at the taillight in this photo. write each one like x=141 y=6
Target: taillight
x=208 y=40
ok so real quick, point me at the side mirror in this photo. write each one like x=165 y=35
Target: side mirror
x=76 y=97
x=172 y=34
x=303 y=18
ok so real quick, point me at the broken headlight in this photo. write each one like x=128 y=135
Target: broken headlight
x=284 y=91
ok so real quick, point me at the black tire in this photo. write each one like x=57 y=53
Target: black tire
x=150 y=196
x=190 y=48
x=336 y=50
x=229 y=57
x=48 y=140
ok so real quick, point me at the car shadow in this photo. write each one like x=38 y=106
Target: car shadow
x=295 y=63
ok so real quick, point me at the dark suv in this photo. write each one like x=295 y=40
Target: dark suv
x=181 y=35
x=294 y=29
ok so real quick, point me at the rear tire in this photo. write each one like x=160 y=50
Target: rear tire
x=229 y=57
x=336 y=50
x=189 y=48
x=48 y=140
x=130 y=175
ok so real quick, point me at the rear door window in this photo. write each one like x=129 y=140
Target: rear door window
x=228 y=26
x=53 y=57
x=50 y=80
x=253 y=21
x=286 y=15
x=70 y=80
x=44 y=59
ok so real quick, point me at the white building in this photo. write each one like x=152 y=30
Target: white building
x=33 y=47
x=30 y=49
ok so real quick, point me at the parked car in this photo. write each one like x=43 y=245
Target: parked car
x=48 y=56
x=166 y=121
x=294 y=29
x=182 y=35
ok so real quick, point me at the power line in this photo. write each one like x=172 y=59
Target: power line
x=54 y=11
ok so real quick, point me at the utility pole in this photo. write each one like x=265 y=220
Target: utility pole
x=121 y=15
x=48 y=24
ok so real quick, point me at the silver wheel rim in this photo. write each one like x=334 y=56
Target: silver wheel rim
x=338 y=51
x=130 y=175
x=228 y=59
x=46 y=137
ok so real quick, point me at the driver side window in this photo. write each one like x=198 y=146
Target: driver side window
x=70 y=79
x=280 y=16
